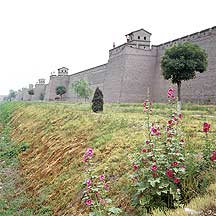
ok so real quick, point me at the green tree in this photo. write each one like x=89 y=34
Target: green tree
x=181 y=62
x=97 y=101
x=82 y=89
x=60 y=90
x=12 y=94
x=31 y=92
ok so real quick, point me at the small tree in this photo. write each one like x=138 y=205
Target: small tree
x=97 y=101
x=31 y=92
x=60 y=90
x=181 y=63
x=12 y=94
x=41 y=96
x=82 y=89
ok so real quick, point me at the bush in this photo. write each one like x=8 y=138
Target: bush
x=97 y=101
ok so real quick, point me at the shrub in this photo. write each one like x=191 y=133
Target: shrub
x=97 y=101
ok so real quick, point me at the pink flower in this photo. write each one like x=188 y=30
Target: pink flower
x=180 y=116
x=102 y=177
x=88 y=182
x=89 y=152
x=175 y=163
x=176 y=180
x=88 y=202
x=135 y=167
x=147 y=142
x=155 y=131
x=213 y=156
x=169 y=173
x=206 y=127
x=106 y=186
x=170 y=93
x=154 y=168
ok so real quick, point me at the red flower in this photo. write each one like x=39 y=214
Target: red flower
x=135 y=167
x=176 y=180
x=213 y=156
x=154 y=174
x=144 y=150
x=154 y=168
x=175 y=163
x=180 y=116
x=169 y=173
x=147 y=142
x=170 y=122
x=206 y=127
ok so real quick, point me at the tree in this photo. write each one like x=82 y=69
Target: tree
x=12 y=94
x=82 y=89
x=41 y=96
x=181 y=62
x=31 y=92
x=97 y=101
x=60 y=90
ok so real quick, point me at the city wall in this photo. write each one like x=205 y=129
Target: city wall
x=131 y=71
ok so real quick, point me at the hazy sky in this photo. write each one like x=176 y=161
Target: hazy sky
x=40 y=36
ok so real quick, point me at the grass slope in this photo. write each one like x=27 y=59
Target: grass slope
x=59 y=133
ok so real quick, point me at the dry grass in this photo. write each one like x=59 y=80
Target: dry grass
x=58 y=135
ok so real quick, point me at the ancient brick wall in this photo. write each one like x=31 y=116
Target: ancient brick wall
x=94 y=76
x=39 y=91
x=201 y=89
x=55 y=81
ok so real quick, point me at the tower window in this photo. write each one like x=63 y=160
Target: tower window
x=138 y=37
x=144 y=38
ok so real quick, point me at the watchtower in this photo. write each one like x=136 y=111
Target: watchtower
x=139 y=39
x=63 y=71
x=41 y=81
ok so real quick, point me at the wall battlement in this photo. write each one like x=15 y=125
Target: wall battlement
x=187 y=38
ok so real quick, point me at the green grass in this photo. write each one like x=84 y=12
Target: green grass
x=58 y=134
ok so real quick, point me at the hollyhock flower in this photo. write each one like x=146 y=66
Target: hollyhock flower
x=180 y=116
x=155 y=131
x=88 y=202
x=206 y=127
x=102 y=177
x=89 y=152
x=154 y=167
x=169 y=173
x=170 y=93
x=147 y=142
x=154 y=174
x=144 y=150
x=106 y=186
x=175 y=119
x=175 y=163
x=88 y=182
x=135 y=167
x=170 y=122
x=176 y=180
x=213 y=156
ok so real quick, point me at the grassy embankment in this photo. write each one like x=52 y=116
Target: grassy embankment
x=58 y=134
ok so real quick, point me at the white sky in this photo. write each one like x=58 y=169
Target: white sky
x=40 y=36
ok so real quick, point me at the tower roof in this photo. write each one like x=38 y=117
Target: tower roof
x=139 y=31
